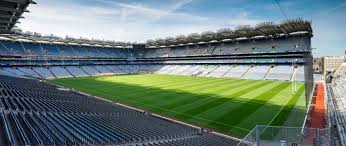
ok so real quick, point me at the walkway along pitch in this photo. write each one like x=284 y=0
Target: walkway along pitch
x=317 y=118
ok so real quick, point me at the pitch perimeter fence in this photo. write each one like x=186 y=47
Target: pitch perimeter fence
x=263 y=135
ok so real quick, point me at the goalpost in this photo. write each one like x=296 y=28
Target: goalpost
x=294 y=78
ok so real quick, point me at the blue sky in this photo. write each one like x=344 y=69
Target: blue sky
x=139 y=20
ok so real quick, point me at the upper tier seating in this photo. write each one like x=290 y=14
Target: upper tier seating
x=81 y=51
x=42 y=49
x=66 y=50
x=50 y=49
x=248 y=59
x=260 y=46
x=15 y=48
x=283 y=45
x=33 y=49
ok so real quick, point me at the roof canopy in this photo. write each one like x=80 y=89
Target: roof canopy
x=36 y=37
x=10 y=12
x=263 y=30
x=266 y=29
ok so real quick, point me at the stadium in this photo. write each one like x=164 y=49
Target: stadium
x=244 y=86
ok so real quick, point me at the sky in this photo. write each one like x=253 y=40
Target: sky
x=140 y=20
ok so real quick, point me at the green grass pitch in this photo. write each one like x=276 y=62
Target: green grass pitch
x=230 y=106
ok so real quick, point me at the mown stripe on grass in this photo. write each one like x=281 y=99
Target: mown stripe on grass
x=149 y=80
x=161 y=83
x=150 y=91
x=219 y=93
x=128 y=90
x=281 y=118
x=217 y=112
x=156 y=95
x=268 y=111
x=124 y=91
x=219 y=101
x=192 y=82
x=167 y=83
x=137 y=91
x=237 y=115
x=210 y=92
x=167 y=96
x=145 y=80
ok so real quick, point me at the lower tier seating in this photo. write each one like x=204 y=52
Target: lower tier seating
x=258 y=72
x=37 y=113
x=337 y=105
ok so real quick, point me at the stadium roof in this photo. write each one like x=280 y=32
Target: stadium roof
x=17 y=35
x=266 y=29
x=10 y=12
x=262 y=30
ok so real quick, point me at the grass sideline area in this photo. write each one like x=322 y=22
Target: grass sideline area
x=230 y=106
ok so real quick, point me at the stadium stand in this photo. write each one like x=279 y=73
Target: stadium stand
x=36 y=113
x=190 y=70
x=336 y=105
x=114 y=69
x=237 y=71
x=50 y=50
x=256 y=72
x=43 y=72
x=15 y=72
x=255 y=68
x=60 y=72
x=220 y=71
x=103 y=70
x=260 y=54
x=76 y=71
x=90 y=70
x=29 y=72
x=299 y=74
x=194 y=141
x=283 y=73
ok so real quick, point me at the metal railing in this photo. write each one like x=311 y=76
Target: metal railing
x=307 y=115
x=279 y=135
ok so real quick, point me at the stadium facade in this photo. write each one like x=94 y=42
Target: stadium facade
x=29 y=108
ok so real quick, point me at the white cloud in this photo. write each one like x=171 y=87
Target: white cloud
x=333 y=9
x=243 y=19
x=120 y=21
